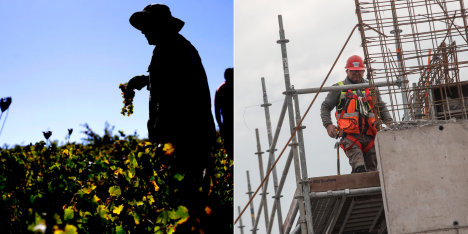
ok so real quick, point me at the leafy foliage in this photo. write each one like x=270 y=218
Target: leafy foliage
x=109 y=185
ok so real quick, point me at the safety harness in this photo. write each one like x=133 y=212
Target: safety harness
x=355 y=112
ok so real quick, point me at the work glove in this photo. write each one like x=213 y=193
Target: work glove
x=138 y=82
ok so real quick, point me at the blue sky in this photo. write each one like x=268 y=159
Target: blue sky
x=62 y=62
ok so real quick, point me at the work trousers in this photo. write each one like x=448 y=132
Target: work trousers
x=355 y=155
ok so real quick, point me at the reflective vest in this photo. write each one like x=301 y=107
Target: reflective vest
x=355 y=115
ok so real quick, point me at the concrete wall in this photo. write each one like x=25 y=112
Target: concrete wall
x=424 y=177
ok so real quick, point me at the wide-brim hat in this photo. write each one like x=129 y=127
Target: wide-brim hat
x=154 y=15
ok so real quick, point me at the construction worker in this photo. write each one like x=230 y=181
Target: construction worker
x=355 y=118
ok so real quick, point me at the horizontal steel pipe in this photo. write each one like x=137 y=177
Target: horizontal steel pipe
x=341 y=87
x=346 y=192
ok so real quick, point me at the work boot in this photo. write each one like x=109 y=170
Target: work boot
x=360 y=169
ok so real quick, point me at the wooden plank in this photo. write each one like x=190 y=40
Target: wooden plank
x=341 y=182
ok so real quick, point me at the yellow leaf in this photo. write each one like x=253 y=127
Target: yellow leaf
x=148 y=143
x=65 y=152
x=70 y=229
x=168 y=148
x=150 y=199
x=156 y=187
x=96 y=198
x=118 y=209
x=183 y=220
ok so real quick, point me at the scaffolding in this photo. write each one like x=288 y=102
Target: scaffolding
x=423 y=42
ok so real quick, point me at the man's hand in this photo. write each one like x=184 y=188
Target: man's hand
x=388 y=123
x=331 y=130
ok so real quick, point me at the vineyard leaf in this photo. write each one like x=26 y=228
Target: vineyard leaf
x=178 y=176
x=182 y=211
x=96 y=198
x=137 y=218
x=168 y=148
x=118 y=209
x=170 y=229
x=69 y=213
x=70 y=229
x=162 y=218
x=120 y=230
x=208 y=210
x=156 y=187
x=150 y=199
x=173 y=214
x=115 y=191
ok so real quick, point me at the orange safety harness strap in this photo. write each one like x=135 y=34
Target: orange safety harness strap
x=368 y=99
x=355 y=141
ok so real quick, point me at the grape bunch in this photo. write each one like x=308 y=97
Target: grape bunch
x=127 y=95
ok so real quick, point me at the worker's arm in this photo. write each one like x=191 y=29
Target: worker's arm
x=138 y=82
x=325 y=111
x=384 y=113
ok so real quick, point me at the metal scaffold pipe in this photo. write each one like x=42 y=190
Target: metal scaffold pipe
x=240 y=222
x=305 y=212
x=340 y=87
x=266 y=107
x=252 y=211
x=260 y=165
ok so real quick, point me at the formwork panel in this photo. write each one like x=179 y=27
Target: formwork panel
x=424 y=176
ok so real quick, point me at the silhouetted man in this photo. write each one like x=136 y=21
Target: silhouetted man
x=224 y=105
x=180 y=103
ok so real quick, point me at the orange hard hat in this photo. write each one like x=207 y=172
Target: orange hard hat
x=355 y=63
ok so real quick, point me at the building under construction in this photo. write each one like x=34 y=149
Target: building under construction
x=416 y=52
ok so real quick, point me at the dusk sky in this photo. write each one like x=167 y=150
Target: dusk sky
x=62 y=62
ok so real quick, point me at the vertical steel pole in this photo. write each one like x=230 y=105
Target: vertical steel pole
x=252 y=212
x=260 y=163
x=399 y=58
x=305 y=177
x=272 y=155
x=305 y=217
x=240 y=221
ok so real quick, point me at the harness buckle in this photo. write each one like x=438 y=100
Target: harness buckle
x=362 y=107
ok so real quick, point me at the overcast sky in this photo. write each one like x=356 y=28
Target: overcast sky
x=62 y=62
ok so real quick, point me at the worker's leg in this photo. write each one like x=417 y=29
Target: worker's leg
x=355 y=155
x=370 y=158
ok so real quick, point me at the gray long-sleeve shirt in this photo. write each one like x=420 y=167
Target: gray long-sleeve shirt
x=333 y=98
